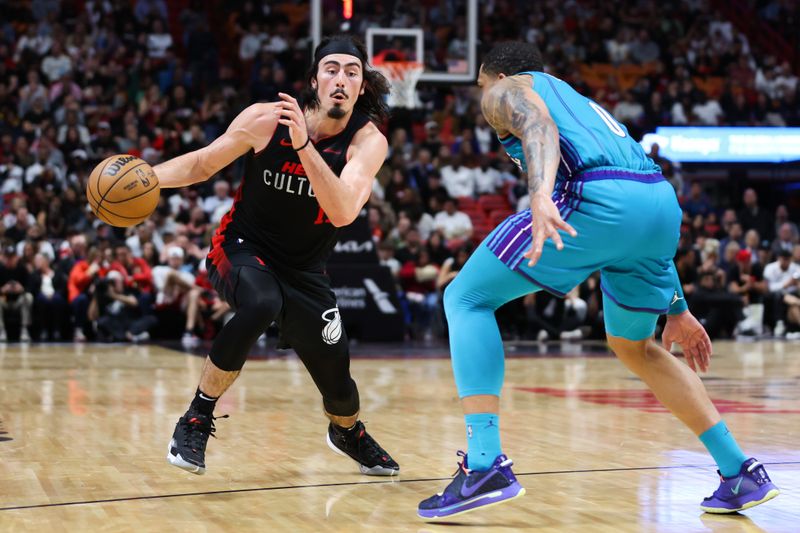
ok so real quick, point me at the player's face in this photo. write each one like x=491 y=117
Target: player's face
x=340 y=80
x=485 y=81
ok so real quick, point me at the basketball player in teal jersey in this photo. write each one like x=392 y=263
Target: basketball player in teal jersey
x=597 y=203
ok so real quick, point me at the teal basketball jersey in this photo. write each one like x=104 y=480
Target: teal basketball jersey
x=589 y=137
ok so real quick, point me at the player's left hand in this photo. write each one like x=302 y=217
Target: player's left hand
x=293 y=117
x=684 y=329
x=546 y=222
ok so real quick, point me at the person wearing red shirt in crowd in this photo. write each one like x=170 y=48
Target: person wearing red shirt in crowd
x=137 y=275
x=418 y=279
x=135 y=269
x=81 y=276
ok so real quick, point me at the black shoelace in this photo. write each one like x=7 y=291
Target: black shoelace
x=197 y=433
x=371 y=447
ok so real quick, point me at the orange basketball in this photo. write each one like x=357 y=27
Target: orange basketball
x=123 y=190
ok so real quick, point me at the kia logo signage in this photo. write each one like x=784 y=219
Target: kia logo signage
x=353 y=247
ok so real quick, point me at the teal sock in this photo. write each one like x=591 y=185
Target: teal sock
x=483 y=440
x=723 y=448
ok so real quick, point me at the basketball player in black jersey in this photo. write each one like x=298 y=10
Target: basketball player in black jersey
x=308 y=171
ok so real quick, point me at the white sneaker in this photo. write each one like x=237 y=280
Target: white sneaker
x=780 y=328
x=78 y=336
x=189 y=340
x=24 y=335
x=574 y=334
x=140 y=337
x=262 y=340
x=793 y=336
x=542 y=336
x=3 y=336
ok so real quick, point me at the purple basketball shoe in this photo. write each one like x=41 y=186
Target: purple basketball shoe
x=750 y=488
x=471 y=490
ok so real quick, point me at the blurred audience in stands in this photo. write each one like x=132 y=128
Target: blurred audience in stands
x=81 y=81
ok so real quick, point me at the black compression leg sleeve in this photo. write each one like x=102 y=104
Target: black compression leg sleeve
x=329 y=366
x=258 y=300
x=343 y=403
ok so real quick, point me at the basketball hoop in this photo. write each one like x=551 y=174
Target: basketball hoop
x=403 y=75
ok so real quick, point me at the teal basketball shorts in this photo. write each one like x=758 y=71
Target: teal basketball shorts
x=628 y=225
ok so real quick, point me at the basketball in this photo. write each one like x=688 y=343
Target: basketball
x=123 y=190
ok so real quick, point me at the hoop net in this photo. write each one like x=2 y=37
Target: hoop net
x=403 y=75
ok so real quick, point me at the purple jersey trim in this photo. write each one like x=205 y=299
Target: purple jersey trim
x=620 y=174
x=631 y=308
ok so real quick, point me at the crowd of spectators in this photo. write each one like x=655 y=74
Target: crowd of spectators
x=691 y=65
x=80 y=81
x=740 y=270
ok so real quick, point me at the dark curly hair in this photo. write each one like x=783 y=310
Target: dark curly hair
x=376 y=87
x=513 y=57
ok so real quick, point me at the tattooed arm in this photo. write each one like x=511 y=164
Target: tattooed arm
x=511 y=106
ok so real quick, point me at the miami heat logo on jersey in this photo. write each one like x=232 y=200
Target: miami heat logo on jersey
x=332 y=331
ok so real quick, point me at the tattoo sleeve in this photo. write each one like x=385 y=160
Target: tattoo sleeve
x=511 y=107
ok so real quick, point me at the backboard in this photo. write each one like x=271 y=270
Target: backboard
x=441 y=36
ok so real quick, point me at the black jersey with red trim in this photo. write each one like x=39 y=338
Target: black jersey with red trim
x=275 y=212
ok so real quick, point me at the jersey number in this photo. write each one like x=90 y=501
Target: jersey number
x=606 y=117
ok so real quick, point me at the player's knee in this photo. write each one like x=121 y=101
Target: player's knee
x=454 y=299
x=629 y=350
x=228 y=360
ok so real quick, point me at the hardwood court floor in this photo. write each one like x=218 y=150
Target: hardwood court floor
x=85 y=431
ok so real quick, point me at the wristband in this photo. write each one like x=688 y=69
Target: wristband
x=308 y=140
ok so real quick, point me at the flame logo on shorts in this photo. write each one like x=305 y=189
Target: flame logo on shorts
x=332 y=331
